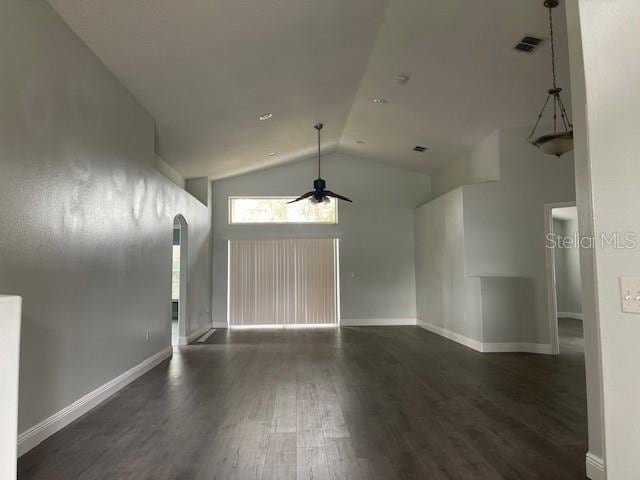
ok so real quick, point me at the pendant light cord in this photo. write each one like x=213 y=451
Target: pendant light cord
x=555 y=92
x=553 y=48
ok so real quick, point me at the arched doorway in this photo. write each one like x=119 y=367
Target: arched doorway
x=179 y=317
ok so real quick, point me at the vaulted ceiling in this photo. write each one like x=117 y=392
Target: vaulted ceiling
x=207 y=69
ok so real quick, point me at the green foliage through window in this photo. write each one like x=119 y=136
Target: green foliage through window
x=175 y=274
x=277 y=210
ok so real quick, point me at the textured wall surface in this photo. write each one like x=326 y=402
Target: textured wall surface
x=480 y=165
x=492 y=229
x=377 y=278
x=86 y=220
x=504 y=221
x=609 y=163
x=440 y=276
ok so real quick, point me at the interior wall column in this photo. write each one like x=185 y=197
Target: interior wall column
x=603 y=39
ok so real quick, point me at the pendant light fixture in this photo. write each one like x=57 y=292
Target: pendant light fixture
x=561 y=140
x=319 y=194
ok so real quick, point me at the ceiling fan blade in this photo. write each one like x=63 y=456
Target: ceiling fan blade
x=329 y=193
x=302 y=197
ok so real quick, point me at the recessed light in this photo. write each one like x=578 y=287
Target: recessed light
x=380 y=100
x=403 y=78
x=272 y=154
x=360 y=142
x=265 y=116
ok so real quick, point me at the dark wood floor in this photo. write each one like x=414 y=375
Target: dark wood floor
x=354 y=403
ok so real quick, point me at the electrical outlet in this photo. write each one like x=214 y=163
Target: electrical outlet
x=630 y=294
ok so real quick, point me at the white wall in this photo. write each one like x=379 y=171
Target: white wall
x=481 y=164
x=590 y=314
x=440 y=274
x=170 y=172
x=377 y=278
x=10 y=318
x=505 y=224
x=501 y=234
x=605 y=79
x=567 y=266
x=86 y=218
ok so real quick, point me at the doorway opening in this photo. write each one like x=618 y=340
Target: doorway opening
x=179 y=282
x=564 y=278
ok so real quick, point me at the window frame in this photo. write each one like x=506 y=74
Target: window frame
x=230 y=221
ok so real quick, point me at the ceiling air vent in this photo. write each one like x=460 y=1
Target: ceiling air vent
x=419 y=148
x=528 y=44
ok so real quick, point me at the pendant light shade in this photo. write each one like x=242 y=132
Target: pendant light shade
x=555 y=143
x=560 y=141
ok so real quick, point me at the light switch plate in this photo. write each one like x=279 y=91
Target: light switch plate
x=630 y=294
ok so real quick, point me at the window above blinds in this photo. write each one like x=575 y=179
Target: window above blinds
x=277 y=210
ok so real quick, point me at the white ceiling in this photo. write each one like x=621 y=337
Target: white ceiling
x=206 y=69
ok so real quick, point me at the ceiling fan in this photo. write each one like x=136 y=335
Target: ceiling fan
x=319 y=194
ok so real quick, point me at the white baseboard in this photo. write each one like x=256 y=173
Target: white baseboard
x=595 y=467
x=522 y=347
x=371 y=322
x=456 y=337
x=219 y=325
x=206 y=336
x=41 y=431
x=193 y=335
x=577 y=316
x=478 y=346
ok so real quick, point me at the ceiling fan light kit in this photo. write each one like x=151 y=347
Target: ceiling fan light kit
x=561 y=140
x=320 y=194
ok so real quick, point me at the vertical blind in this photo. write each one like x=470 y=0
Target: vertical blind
x=283 y=282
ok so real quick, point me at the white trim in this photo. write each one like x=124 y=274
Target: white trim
x=478 y=346
x=550 y=273
x=380 y=322
x=206 y=336
x=10 y=320
x=41 y=431
x=184 y=322
x=220 y=325
x=336 y=253
x=523 y=347
x=456 y=337
x=193 y=335
x=290 y=326
x=577 y=316
x=595 y=467
x=228 y=285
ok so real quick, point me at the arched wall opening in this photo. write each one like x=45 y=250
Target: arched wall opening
x=179 y=286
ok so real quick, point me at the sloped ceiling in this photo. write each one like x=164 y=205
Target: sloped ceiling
x=207 y=69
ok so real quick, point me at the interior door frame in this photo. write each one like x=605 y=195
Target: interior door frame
x=552 y=298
